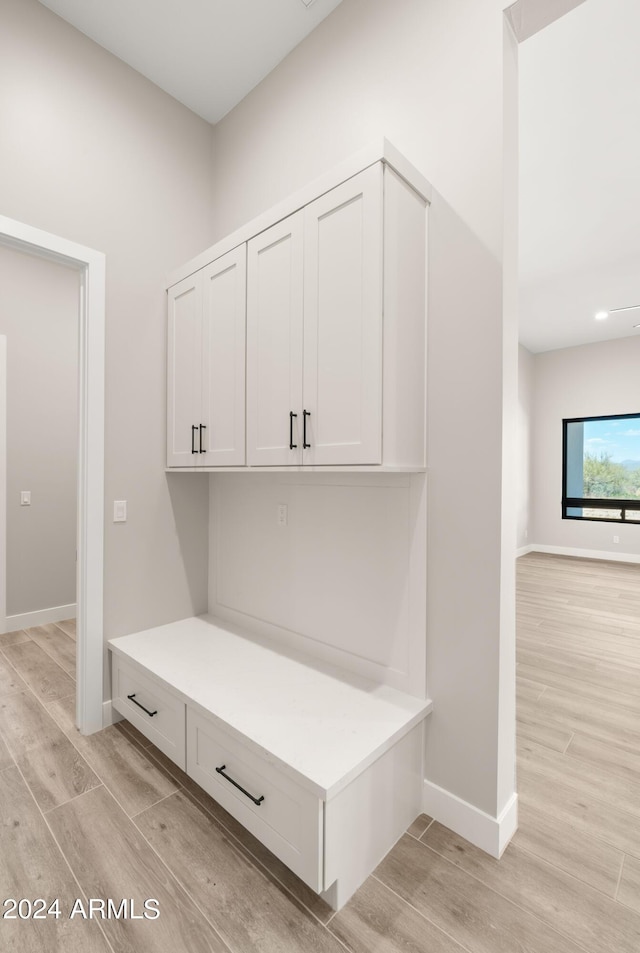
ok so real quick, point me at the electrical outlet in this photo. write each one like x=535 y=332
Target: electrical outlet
x=616 y=539
x=282 y=514
x=119 y=511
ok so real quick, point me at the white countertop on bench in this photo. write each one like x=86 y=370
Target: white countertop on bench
x=323 y=727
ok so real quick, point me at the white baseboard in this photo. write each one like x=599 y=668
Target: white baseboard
x=490 y=834
x=109 y=715
x=25 y=620
x=507 y=823
x=523 y=551
x=585 y=553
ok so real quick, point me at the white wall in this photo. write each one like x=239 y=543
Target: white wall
x=337 y=582
x=588 y=381
x=526 y=362
x=39 y=316
x=95 y=153
x=428 y=74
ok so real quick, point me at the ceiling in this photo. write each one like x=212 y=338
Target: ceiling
x=208 y=54
x=580 y=176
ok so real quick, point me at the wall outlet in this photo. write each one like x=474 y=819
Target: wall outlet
x=25 y=497
x=616 y=539
x=119 y=511
x=282 y=514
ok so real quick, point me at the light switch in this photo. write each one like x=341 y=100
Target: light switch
x=25 y=497
x=119 y=511
x=282 y=514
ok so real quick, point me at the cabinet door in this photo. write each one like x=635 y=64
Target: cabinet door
x=274 y=344
x=343 y=322
x=184 y=372
x=223 y=360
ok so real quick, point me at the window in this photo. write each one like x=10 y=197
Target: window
x=601 y=468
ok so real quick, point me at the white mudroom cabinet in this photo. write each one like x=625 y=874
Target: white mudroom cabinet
x=297 y=380
x=335 y=332
x=206 y=365
x=324 y=771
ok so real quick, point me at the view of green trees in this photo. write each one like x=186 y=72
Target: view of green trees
x=605 y=479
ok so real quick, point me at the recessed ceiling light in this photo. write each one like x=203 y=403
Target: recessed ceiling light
x=602 y=315
x=636 y=325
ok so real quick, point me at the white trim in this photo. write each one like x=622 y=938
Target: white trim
x=490 y=834
x=523 y=551
x=109 y=715
x=90 y=642
x=585 y=553
x=339 y=468
x=381 y=151
x=507 y=822
x=3 y=482
x=25 y=620
x=528 y=17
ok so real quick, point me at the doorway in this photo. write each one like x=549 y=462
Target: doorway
x=90 y=266
x=39 y=317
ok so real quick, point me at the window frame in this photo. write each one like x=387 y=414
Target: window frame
x=575 y=502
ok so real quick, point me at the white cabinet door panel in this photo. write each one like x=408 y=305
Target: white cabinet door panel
x=274 y=344
x=343 y=322
x=184 y=378
x=223 y=360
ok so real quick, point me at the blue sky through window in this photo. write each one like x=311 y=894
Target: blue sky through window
x=619 y=439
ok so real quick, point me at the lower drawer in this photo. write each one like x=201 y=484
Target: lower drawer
x=158 y=714
x=283 y=816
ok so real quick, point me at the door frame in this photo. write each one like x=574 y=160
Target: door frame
x=90 y=558
x=3 y=481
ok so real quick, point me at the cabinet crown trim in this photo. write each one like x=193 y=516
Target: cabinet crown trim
x=380 y=151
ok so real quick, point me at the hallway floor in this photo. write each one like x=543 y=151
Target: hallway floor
x=109 y=816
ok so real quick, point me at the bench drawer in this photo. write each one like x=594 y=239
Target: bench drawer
x=286 y=818
x=163 y=721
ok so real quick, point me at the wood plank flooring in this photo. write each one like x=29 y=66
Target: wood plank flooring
x=109 y=816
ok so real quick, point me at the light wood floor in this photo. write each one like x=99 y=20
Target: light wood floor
x=109 y=817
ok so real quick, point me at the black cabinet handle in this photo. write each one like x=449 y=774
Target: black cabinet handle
x=202 y=427
x=292 y=445
x=305 y=414
x=193 y=438
x=256 y=800
x=133 y=699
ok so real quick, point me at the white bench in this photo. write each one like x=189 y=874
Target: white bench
x=324 y=767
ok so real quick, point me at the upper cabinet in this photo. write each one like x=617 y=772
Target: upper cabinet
x=206 y=366
x=184 y=385
x=335 y=292
x=342 y=379
x=274 y=344
x=314 y=331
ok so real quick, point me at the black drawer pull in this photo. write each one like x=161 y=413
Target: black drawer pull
x=132 y=698
x=292 y=445
x=305 y=414
x=202 y=427
x=256 y=800
x=193 y=437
